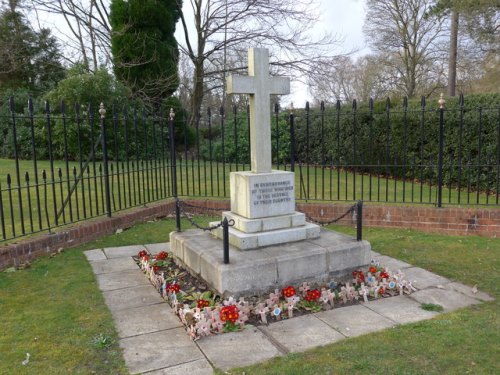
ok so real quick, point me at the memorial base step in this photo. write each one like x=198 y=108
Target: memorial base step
x=330 y=256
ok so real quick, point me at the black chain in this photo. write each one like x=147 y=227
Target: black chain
x=323 y=223
x=180 y=204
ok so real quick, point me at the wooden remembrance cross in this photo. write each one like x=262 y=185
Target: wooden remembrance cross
x=259 y=86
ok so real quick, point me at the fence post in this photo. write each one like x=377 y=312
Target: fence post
x=359 y=221
x=441 y=103
x=173 y=166
x=102 y=113
x=225 y=239
x=292 y=141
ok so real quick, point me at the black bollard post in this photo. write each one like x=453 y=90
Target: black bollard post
x=177 y=215
x=359 y=221
x=225 y=239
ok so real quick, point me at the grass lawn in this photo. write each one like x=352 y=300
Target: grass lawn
x=55 y=311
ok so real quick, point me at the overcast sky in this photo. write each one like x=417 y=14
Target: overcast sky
x=343 y=18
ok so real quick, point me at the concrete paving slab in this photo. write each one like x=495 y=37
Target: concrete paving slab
x=120 y=280
x=400 y=309
x=198 y=367
x=113 y=265
x=122 y=251
x=155 y=248
x=238 y=349
x=158 y=350
x=467 y=290
x=96 y=254
x=145 y=319
x=354 y=320
x=449 y=299
x=302 y=333
x=374 y=254
x=392 y=264
x=127 y=298
x=422 y=279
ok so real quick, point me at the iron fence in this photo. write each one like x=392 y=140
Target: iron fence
x=64 y=165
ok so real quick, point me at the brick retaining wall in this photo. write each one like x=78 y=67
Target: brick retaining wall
x=455 y=221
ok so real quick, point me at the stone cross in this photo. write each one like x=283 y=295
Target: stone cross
x=259 y=85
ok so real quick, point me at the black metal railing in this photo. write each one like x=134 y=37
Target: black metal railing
x=62 y=166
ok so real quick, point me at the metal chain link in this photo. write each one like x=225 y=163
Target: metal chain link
x=323 y=223
x=180 y=204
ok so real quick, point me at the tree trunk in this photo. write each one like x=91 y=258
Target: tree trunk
x=452 y=59
x=197 y=97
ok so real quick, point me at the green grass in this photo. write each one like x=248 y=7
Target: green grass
x=55 y=311
x=203 y=179
x=461 y=342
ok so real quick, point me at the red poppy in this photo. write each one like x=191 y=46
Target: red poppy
x=359 y=276
x=142 y=253
x=173 y=288
x=202 y=303
x=384 y=275
x=229 y=313
x=312 y=295
x=373 y=270
x=288 y=292
x=156 y=268
x=381 y=291
x=162 y=255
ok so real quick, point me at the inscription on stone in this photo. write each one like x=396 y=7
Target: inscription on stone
x=266 y=193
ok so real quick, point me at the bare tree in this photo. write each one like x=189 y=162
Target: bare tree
x=411 y=39
x=224 y=29
x=85 y=32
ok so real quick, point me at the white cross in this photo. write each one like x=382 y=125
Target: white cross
x=259 y=86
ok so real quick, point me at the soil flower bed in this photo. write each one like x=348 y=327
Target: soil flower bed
x=204 y=312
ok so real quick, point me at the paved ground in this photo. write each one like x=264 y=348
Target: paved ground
x=155 y=342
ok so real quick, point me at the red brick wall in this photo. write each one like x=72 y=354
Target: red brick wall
x=457 y=221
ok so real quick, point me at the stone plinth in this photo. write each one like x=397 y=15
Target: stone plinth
x=332 y=255
x=257 y=195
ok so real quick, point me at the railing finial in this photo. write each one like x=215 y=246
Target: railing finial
x=441 y=101
x=102 y=110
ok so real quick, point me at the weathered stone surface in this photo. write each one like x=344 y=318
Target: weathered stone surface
x=113 y=265
x=251 y=241
x=267 y=223
x=127 y=298
x=258 y=195
x=400 y=309
x=259 y=85
x=469 y=292
x=158 y=350
x=120 y=280
x=449 y=299
x=392 y=264
x=145 y=319
x=198 y=367
x=264 y=269
x=422 y=279
x=122 y=251
x=238 y=349
x=155 y=248
x=302 y=333
x=354 y=320
x=93 y=255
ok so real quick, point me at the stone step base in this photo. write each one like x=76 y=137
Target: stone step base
x=249 y=241
x=265 y=224
x=332 y=255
